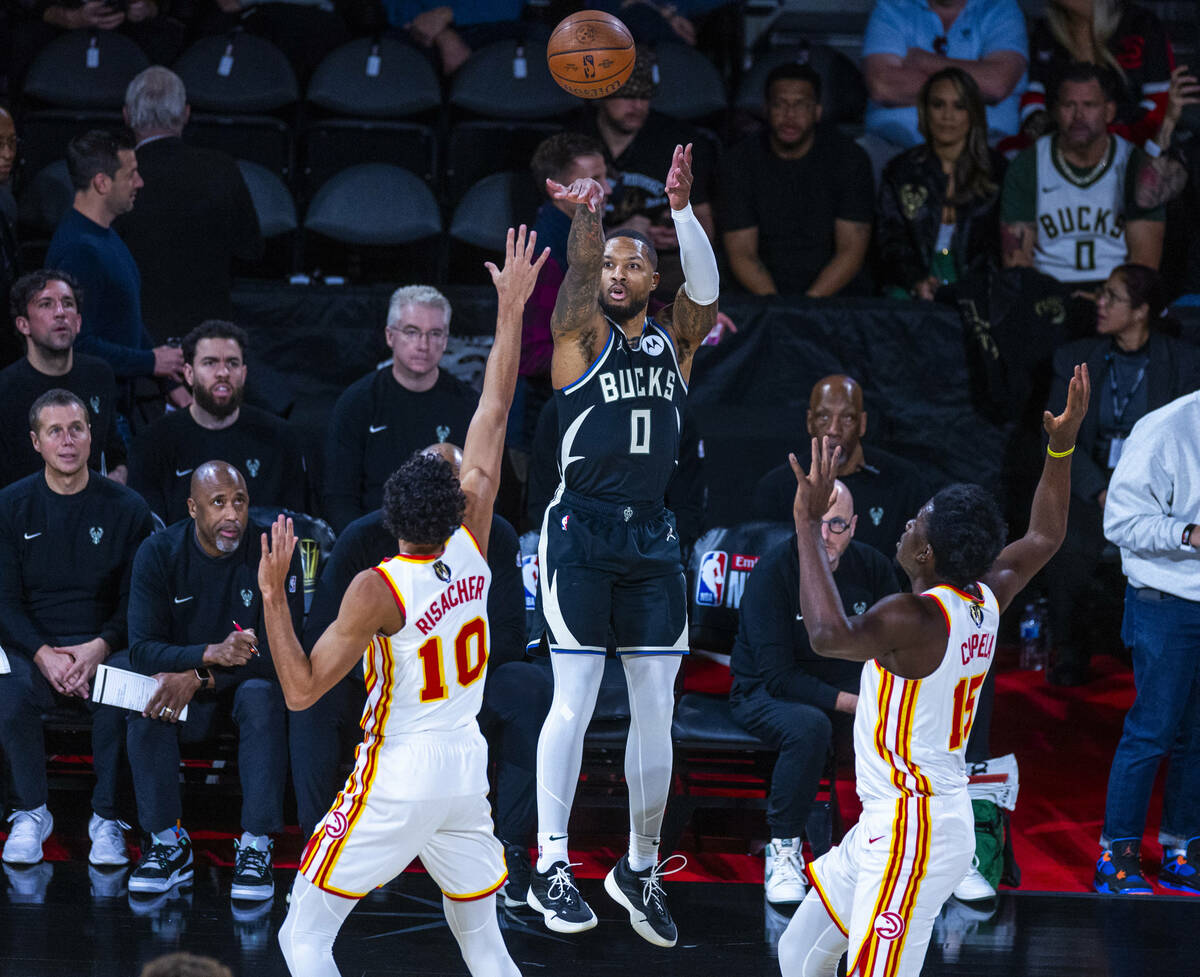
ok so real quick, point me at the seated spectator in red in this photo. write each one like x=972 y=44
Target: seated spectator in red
x=1135 y=368
x=938 y=217
x=67 y=544
x=164 y=457
x=796 y=200
x=1126 y=40
x=194 y=215
x=45 y=311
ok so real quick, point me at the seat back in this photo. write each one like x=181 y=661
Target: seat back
x=314 y=538
x=333 y=145
x=374 y=204
x=379 y=77
x=689 y=85
x=237 y=72
x=48 y=196
x=85 y=69
x=492 y=83
x=273 y=201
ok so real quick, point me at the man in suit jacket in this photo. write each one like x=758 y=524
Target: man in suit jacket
x=194 y=214
x=1135 y=368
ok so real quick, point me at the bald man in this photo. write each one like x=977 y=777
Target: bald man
x=195 y=625
x=789 y=696
x=887 y=490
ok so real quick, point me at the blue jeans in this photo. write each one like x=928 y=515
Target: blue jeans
x=1164 y=634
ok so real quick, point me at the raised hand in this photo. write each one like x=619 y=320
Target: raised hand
x=679 y=177
x=1063 y=429
x=522 y=264
x=276 y=558
x=814 y=491
x=1184 y=90
x=584 y=191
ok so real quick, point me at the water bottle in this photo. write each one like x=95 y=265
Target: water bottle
x=1033 y=636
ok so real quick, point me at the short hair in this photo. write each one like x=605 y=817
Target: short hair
x=793 y=71
x=96 y=151
x=1081 y=72
x=629 y=232
x=423 y=502
x=967 y=532
x=402 y=298
x=27 y=286
x=55 y=398
x=156 y=99
x=185 y=965
x=214 y=329
x=556 y=153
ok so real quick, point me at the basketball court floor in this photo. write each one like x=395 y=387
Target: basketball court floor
x=84 y=926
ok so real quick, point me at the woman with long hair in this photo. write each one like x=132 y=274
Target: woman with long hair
x=1126 y=40
x=937 y=214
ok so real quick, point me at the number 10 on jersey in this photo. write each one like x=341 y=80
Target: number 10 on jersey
x=470 y=656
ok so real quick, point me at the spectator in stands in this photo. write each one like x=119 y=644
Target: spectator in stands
x=194 y=214
x=1135 y=368
x=195 y=625
x=185 y=965
x=304 y=30
x=887 y=490
x=1153 y=501
x=1068 y=206
x=786 y=694
x=516 y=694
x=10 y=267
x=564 y=158
x=67 y=542
x=387 y=415
x=104 y=172
x=909 y=40
x=217 y=425
x=636 y=140
x=453 y=30
x=938 y=218
x=653 y=23
x=45 y=310
x=796 y=199
x=1125 y=40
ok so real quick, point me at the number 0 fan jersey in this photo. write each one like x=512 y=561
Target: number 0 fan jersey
x=910 y=735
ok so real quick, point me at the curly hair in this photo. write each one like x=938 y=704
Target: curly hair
x=967 y=532
x=422 y=501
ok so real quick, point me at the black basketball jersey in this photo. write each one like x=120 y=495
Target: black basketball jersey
x=618 y=424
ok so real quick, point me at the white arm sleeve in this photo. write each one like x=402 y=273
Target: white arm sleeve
x=701 y=280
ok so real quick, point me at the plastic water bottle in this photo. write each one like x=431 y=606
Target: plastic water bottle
x=1034 y=648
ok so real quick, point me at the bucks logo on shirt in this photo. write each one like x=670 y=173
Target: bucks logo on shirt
x=1080 y=216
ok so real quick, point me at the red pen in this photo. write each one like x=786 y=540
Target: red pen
x=253 y=648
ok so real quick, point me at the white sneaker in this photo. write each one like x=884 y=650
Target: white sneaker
x=974 y=886
x=784 y=873
x=108 y=841
x=29 y=831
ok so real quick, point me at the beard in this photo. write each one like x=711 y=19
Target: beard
x=226 y=545
x=206 y=401
x=623 y=311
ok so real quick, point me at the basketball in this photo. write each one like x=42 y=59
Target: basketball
x=591 y=54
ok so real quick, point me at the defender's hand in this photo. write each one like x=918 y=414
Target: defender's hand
x=1063 y=430
x=814 y=491
x=515 y=281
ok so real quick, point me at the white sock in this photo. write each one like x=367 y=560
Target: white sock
x=643 y=851
x=261 y=842
x=551 y=848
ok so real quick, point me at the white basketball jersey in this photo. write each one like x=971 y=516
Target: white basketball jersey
x=910 y=735
x=429 y=675
x=1080 y=222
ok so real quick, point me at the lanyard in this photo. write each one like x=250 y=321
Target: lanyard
x=1119 y=405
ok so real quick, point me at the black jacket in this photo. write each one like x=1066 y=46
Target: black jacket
x=912 y=192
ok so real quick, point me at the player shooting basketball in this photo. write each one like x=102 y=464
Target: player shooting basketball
x=609 y=553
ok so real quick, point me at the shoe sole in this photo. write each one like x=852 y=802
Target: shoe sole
x=554 y=921
x=41 y=856
x=107 y=862
x=785 y=900
x=257 y=893
x=161 y=885
x=1105 y=889
x=512 y=903
x=637 y=919
x=1187 y=890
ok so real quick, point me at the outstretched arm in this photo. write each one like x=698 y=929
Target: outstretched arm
x=1020 y=560
x=576 y=320
x=483 y=449
x=695 y=310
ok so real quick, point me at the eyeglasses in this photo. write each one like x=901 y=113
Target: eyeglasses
x=411 y=334
x=1112 y=297
x=837 y=525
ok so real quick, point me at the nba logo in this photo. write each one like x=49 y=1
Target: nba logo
x=529 y=577
x=710 y=580
x=589 y=66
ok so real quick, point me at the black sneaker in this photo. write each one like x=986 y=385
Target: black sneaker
x=1119 y=870
x=516 y=889
x=163 y=866
x=555 y=896
x=252 y=878
x=643 y=897
x=1181 y=873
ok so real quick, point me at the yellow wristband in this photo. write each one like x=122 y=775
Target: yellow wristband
x=1059 y=454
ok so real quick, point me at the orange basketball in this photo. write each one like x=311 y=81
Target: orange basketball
x=591 y=54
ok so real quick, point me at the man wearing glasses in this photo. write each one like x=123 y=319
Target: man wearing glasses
x=786 y=694
x=397 y=409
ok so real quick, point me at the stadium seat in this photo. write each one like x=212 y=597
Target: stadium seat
x=689 y=86
x=380 y=78
x=47 y=197
x=45 y=133
x=843 y=91
x=314 y=539
x=488 y=84
x=85 y=69
x=332 y=145
x=479 y=148
x=237 y=73
x=485 y=212
x=273 y=201
x=261 y=139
